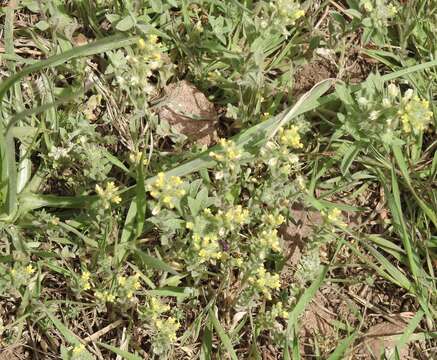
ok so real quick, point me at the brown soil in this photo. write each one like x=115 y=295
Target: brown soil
x=310 y=74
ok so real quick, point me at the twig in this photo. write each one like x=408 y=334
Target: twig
x=103 y=331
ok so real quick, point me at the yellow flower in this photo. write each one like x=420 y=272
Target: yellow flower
x=230 y=152
x=108 y=195
x=415 y=115
x=78 y=349
x=153 y=39
x=137 y=285
x=237 y=215
x=290 y=137
x=86 y=276
x=141 y=44
x=86 y=286
x=265 y=282
x=202 y=253
x=166 y=190
x=105 y=296
x=29 y=270
x=156 y=56
x=121 y=280
x=135 y=158
x=334 y=216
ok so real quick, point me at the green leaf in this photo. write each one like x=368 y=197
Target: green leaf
x=409 y=330
x=349 y=157
x=344 y=345
x=206 y=347
x=126 y=23
x=222 y=335
x=124 y=354
x=42 y=25
x=96 y=47
x=344 y=94
x=304 y=300
x=155 y=263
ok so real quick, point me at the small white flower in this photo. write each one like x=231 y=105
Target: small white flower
x=120 y=80
x=393 y=90
x=293 y=159
x=154 y=65
x=408 y=94
x=134 y=80
x=362 y=101
x=386 y=102
x=219 y=175
x=373 y=115
x=272 y=162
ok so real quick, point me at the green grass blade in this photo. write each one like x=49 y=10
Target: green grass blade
x=222 y=335
x=344 y=345
x=405 y=173
x=304 y=300
x=96 y=47
x=409 y=330
x=394 y=202
x=68 y=335
x=155 y=263
x=124 y=354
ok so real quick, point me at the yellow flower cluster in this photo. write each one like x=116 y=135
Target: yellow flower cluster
x=414 y=114
x=157 y=307
x=166 y=190
x=29 y=270
x=151 y=51
x=273 y=220
x=208 y=247
x=230 y=152
x=135 y=158
x=167 y=328
x=78 y=350
x=290 y=137
x=287 y=11
x=105 y=296
x=335 y=217
x=270 y=239
x=108 y=195
x=128 y=285
x=237 y=215
x=279 y=311
x=23 y=274
x=265 y=282
x=84 y=281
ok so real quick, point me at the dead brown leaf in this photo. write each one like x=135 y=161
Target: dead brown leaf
x=189 y=112
x=296 y=231
x=380 y=339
